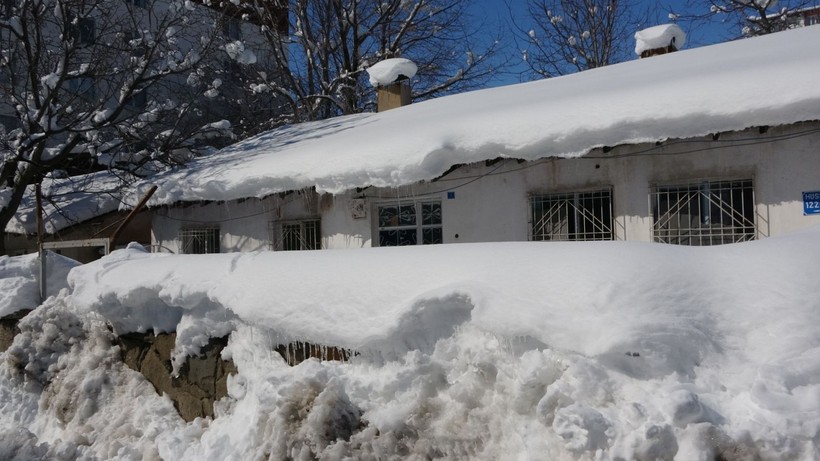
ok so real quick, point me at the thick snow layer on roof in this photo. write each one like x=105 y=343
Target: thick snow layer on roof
x=388 y=71
x=769 y=80
x=631 y=351
x=68 y=201
x=659 y=37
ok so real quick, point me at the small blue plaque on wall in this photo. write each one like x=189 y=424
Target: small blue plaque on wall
x=811 y=203
x=451 y=195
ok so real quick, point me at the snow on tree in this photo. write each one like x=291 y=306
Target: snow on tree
x=751 y=17
x=573 y=35
x=318 y=69
x=104 y=84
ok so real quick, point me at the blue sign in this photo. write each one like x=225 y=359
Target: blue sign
x=811 y=203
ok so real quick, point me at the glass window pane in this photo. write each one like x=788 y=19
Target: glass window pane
x=431 y=213
x=432 y=236
x=399 y=237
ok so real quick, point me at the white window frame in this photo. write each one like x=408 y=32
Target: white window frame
x=296 y=235
x=572 y=216
x=705 y=212
x=419 y=227
x=211 y=235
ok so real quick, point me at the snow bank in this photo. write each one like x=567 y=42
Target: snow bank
x=20 y=280
x=388 y=71
x=659 y=37
x=528 y=350
x=638 y=350
x=769 y=80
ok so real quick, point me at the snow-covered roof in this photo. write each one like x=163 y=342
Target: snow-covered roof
x=388 y=71
x=659 y=37
x=68 y=201
x=768 y=80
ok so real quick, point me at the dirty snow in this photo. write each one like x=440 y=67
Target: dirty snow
x=528 y=350
x=769 y=80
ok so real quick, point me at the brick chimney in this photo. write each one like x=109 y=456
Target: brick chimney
x=391 y=78
x=663 y=39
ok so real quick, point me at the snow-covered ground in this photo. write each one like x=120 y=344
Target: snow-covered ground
x=605 y=351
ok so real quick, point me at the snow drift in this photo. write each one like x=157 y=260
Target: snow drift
x=609 y=350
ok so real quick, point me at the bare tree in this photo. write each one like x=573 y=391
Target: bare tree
x=567 y=36
x=318 y=70
x=101 y=84
x=758 y=17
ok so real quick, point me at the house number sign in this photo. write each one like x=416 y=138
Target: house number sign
x=811 y=203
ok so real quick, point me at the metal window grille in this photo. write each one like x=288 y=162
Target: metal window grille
x=200 y=240
x=297 y=235
x=704 y=213
x=413 y=223
x=572 y=216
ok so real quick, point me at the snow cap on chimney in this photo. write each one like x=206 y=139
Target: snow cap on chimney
x=390 y=71
x=662 y=39
x=391 y=77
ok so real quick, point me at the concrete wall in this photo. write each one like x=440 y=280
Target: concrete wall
x=489 y=201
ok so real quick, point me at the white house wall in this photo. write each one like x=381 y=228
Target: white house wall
x=490 y=201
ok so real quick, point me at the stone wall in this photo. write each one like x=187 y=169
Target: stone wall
x=8 y=328
x=202 y=380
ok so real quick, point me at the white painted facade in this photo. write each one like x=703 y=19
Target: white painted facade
x=489 y=201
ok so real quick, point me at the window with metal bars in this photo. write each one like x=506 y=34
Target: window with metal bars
x=704 y=213
x=410 y=223
x=297 y=235
x=572 y=216
x=199 y=240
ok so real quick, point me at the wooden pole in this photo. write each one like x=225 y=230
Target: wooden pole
x=131 y=215
x=42 y=252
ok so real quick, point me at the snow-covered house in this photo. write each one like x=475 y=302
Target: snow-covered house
x=705 y=146
x=80 y=215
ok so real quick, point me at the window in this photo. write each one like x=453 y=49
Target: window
x=6 y=8
x=199 y=240
x=83 y=87
x=297 y=235
x=82 y=31
x=137 y=100
x=572 y=216
x=139 y=3
x=232 y=28
x=704 y=213
x=8 y=123
x=412 y=223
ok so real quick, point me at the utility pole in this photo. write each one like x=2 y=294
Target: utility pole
x=41 y=250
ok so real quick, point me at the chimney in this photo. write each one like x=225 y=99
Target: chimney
x=662 y=39
x=391 y=78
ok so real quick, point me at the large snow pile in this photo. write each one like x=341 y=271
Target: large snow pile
x=553 y=351
x=20 y=280
x=769 y=80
